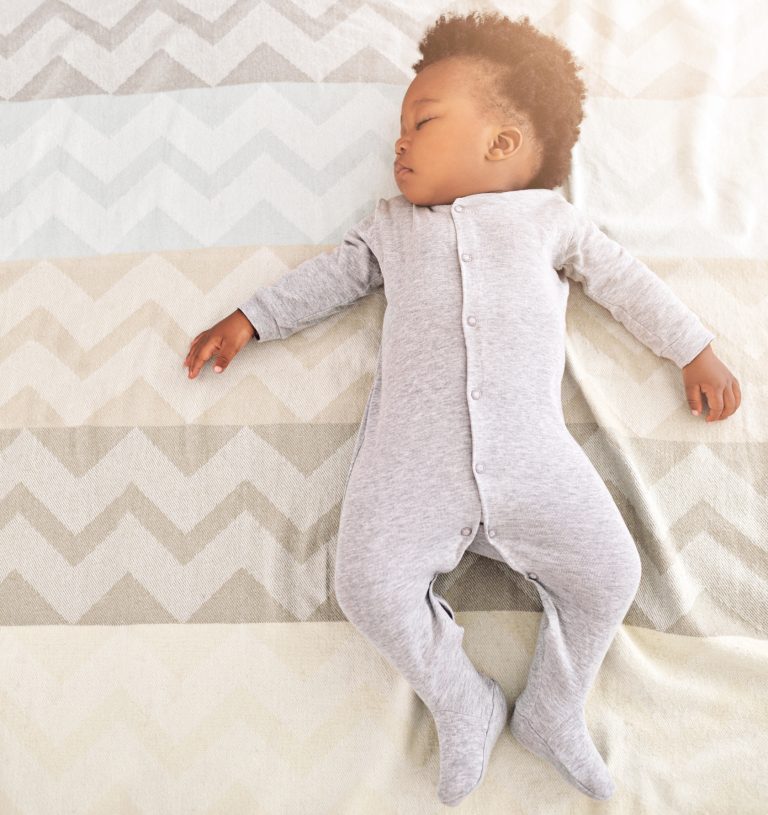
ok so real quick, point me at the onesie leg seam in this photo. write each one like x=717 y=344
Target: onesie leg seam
x=551 y=731
x=553 y=757
x=486 y=753
x=456 y=713
x=474 y=717
x=540 y=661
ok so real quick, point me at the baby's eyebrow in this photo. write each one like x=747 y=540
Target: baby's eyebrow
x=418 y=102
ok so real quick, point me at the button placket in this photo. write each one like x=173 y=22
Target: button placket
x=476 y=393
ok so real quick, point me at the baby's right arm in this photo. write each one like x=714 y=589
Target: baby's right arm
x=318 y=287
x=315 y=289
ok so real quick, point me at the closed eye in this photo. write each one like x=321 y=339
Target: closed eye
x=424 y=121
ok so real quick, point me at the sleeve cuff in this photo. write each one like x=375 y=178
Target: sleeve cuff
x=688 y=345
x=260 y=318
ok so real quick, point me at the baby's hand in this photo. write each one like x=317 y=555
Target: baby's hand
x=224 y=340
x=706 y=374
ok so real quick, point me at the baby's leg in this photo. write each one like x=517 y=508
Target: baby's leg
x=548 y=716
x=585 y=566
x=385 y=588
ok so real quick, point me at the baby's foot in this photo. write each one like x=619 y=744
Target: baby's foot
x=570 y=749
x=465 y=747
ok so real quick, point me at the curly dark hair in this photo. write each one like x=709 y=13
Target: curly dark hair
x=529 y=76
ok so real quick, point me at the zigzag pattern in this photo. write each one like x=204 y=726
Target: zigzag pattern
x=165 y=44
x=54 y=571
x=72 y=329
x=182 y=540
x=242 y=167
x=89 y=351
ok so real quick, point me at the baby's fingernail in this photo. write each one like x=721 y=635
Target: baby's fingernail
x=217 y=368
x=695 y=412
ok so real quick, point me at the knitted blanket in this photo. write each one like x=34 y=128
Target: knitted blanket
x=171 y=641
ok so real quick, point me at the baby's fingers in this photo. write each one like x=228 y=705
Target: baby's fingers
x=693 y=394
x=191 y=353
x=201 y=356
x=714 y=400
x=730 y=402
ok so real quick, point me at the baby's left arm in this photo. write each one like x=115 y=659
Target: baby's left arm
x=651 y=311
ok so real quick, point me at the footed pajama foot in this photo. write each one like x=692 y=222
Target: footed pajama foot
x=465 y=747
x=571 y=751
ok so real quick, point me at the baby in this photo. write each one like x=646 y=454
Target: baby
x=463 y=439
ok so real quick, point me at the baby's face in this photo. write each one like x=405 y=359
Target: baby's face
x=450 y=149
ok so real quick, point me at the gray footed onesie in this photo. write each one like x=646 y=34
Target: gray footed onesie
x=463 y=445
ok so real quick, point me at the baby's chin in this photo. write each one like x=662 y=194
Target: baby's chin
x=420 y=192
x=420 y=199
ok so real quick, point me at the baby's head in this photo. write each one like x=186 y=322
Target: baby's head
x=507 y=109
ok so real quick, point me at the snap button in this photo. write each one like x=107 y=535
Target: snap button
x=471 y=320
x=466 y=531
x=466 y=257
x=491 y=533
x=475 y=394
x=458 y=208
x=533 y=576
x=479 y=467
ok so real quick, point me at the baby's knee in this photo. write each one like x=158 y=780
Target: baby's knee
x=360 y=588
x=346 y=586
x=600 y=584
x=620 y=580
x=634 y=569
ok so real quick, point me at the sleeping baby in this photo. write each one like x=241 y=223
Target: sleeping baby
x=463 y=439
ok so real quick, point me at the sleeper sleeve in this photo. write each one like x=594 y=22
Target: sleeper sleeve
x=318 y=287
x=646 y=306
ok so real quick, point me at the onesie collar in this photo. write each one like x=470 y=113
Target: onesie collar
x=484 y=198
